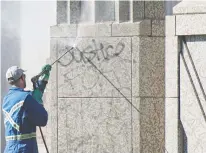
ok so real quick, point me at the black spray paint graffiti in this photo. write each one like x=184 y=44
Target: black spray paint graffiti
x=91 y=52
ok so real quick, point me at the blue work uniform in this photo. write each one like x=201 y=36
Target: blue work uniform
x=22 y=113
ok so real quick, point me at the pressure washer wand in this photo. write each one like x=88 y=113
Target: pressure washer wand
x=62 y=56
x=35 y=78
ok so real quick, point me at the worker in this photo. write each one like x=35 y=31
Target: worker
x=23 y=111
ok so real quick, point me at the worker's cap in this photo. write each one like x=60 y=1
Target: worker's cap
x=14 y=73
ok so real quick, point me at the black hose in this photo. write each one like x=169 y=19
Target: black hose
x=43 y=139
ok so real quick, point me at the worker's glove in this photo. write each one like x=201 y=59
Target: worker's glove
x=37 y=95
x=45 y=73
x=39 y=84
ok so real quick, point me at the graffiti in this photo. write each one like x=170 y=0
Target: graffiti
x=91 y=52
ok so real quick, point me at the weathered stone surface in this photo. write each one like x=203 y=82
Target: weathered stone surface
x=103 y=29
x=86 y=30
x=171 y=124
x=136 y=125
x=69 y=125
x=148 y=66
x=154 y=9
x=104 y=11
x=158 y=28
x=79 y=78
x=94 y=30
x=196 y=46
x=94 y=125
x=63 y=30
x=190 y=7
x=75 y=11
x=111 y=131
x=152 y=69
x=62 y=127
x=138 y=10
x=140 y=28
x=41 y=148
x=194 y=24
x=124 y=11
x=171 y=66
x=192 y=117
x=170 y=25
x=152 y=125
x=135 y=65
x=51 y=98
x=62 y=12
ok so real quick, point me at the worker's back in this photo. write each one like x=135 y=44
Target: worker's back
x=22 y=114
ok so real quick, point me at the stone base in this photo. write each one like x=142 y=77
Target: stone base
x=91 y=115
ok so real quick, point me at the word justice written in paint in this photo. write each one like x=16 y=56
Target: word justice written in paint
x=101 y=52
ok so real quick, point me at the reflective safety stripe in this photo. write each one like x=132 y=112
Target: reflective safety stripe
x=13 y=109
x=14 y=125
x=21 y=136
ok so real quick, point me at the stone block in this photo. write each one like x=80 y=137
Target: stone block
x=79 y=78
x=190 y=7
x=135 y=66
x=63 y=30
x=158 y=28
x=104 y=11
x=193 y=119
x=136 y=125
x=192 y=116
x=194 y=24
x=62 y=126
x=108 y=123
x=41 y=148
x=103 y=29
x=140 y=28
x=69 y=125
x=154 y=9
x=62 y=12
x=170 y=25
x=75 y=11
x=94 y=125
x=94 y=30
x=171 y=66
x=196 y=46
x=86 y=30
x=152 y=125
x=151 y=66
x=148 y=66
x=51 y=98
x=138 y=10
x=124 y=11
x=171 y=124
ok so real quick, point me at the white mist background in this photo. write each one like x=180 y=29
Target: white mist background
x=25 y=30
x=36 y=19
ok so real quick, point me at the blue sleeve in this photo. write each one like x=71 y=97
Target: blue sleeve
x=36 y=112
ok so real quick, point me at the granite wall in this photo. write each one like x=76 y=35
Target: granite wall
x=185 y=79
x=115 y=101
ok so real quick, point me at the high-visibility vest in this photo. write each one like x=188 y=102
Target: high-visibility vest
x=22 y=113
